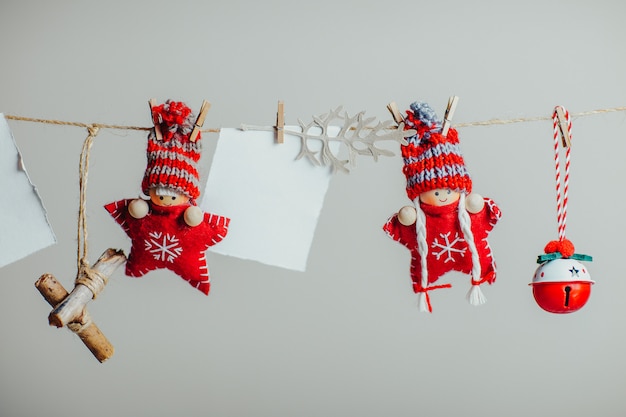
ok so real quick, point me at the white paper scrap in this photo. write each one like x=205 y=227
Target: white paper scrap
x=273 y=200
x=24 y=227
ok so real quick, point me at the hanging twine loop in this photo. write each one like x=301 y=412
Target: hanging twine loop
x=91 y=279
x=86 y=276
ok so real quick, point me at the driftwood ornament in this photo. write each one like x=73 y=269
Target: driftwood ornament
x=70 y=309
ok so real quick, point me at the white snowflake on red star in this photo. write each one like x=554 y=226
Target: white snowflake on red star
x=448 y=247
x=163 y=246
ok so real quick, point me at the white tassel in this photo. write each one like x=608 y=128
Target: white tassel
x=422 y=302
x=475 y=296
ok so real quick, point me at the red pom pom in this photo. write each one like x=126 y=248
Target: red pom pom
x=173 y=115
x=552 y=247
x=565 y=247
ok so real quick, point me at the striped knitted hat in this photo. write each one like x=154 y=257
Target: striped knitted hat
x=432 y=160
x=172 y=159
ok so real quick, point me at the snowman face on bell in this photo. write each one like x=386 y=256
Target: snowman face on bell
x=167 y=197
x=439 y=197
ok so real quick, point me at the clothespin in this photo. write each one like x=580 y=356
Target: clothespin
x=280 y=122
x=447 y=118
x=395 y=113
x=204 y=109
x=156 y=119
x=563 y=127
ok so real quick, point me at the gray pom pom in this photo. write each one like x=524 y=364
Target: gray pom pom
x=425 y=113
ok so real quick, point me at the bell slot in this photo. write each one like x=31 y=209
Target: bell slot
x=567 y=291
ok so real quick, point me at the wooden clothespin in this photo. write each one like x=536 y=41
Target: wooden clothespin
x=563 y=127
x=280 y=122
x=395 y=113
x=156 y=119
x=204 y=109
x=447 y=118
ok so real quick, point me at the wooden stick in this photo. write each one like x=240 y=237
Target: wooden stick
x=73 y=305
x=87 y=331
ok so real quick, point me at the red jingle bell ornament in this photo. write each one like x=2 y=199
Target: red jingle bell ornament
x=561 y=284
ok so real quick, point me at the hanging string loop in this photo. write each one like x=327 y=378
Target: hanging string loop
x=562 y=124
x=85 y=275
x=561 y=248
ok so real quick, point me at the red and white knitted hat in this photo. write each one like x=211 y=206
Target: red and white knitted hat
x=432 y=160
x=172 y=159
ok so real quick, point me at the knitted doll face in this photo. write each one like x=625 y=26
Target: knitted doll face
x=439 y=197
x=168 y=199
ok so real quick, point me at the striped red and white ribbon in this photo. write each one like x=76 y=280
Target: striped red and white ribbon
x=561 y=200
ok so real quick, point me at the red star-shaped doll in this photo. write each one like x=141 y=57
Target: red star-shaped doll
x=446 y=228
x=445 y=239
x=171 y=234
x=169 y=230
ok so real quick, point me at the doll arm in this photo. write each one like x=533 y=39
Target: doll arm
x=403 y=234
x=493 y=212
x=218 y=226
x=488 y=216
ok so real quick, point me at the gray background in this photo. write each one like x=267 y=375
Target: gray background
x=344 y=338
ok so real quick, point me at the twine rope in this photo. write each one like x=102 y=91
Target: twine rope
x=92 y=279
x=83 y=173
x=536 y=119
x=87 y=125
x=490 y=122
x=86 y=276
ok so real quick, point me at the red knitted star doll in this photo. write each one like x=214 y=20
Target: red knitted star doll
x=446 y=229
x=169 y=230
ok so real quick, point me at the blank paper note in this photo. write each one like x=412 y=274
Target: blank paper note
x=273 y=200
x=24 y=227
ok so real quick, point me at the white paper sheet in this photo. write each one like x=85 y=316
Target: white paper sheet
x=273 y=200
x=24 y=227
